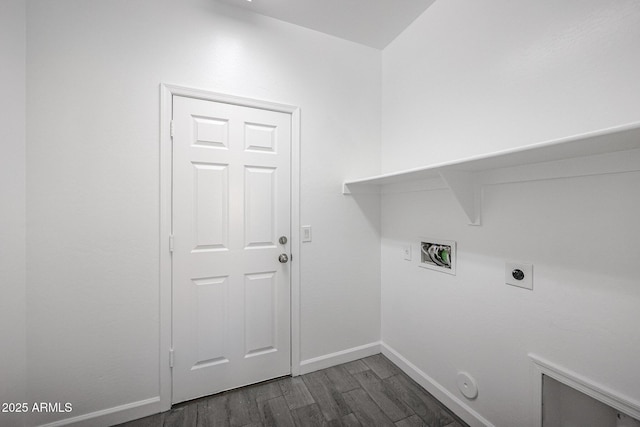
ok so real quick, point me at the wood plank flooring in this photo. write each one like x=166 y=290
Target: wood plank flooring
x=366 y=392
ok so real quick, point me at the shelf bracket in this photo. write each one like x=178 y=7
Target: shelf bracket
x=466 y=190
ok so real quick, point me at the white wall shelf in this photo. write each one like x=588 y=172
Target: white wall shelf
x=598 y=151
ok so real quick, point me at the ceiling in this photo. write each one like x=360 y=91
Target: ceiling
x=373 y=23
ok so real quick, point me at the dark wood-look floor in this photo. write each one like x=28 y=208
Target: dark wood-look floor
x=367 y=392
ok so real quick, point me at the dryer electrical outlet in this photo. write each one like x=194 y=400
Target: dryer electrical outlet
x=519 y=274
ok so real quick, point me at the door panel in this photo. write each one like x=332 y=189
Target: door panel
x=231 y=203
x=260 y=137
x=211 y=313
x=260 y=313
x=211 y=206
x=260 y=207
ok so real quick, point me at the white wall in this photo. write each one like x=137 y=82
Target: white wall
x=94 y=70
x=12 y=194
x=475 y=77
x=472 y=77
x=481 y=76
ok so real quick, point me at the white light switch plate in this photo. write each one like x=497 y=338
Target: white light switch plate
x=526 y=268
x=406 y=252
x=306 y=233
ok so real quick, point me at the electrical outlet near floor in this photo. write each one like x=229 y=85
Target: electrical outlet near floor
x=519 y=274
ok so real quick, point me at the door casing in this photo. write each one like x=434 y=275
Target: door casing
x=167 y=91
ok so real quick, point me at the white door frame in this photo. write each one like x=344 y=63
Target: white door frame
x=167 y=92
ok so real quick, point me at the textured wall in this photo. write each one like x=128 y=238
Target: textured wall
x=12 y=194
x=94 y=70
x=470 y=78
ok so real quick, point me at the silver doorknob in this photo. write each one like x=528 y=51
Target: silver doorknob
x=283 y=258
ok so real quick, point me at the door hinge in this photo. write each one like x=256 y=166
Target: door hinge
x=171 y=127
x=171 y=358
x=171 y=243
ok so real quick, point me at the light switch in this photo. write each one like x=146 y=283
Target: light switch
x=306 y=233
x=406 y=252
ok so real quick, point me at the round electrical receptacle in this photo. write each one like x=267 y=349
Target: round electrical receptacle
x=517 y=274
x=467 y=385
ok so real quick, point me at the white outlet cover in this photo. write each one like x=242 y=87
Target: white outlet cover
x=406 y=252
x=526 y=268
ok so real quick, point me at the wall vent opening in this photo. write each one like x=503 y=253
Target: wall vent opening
x=563 y=398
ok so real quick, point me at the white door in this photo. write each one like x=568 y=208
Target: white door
x=231 y=205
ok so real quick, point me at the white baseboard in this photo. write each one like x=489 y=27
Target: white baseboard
x=451 y=401
x=344 y=356
x=116 y=415
x=144 y=408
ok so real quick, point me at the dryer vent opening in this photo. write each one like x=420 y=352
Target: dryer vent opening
x=563 y=406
